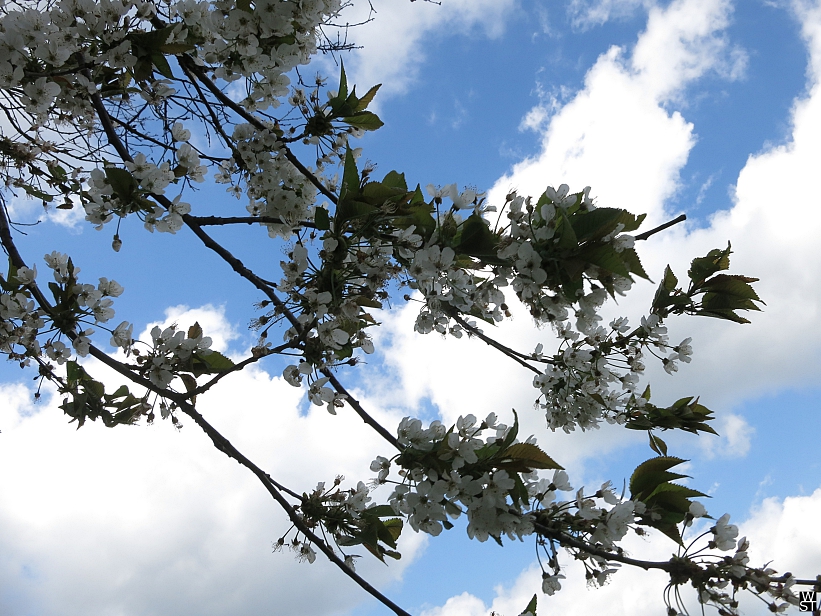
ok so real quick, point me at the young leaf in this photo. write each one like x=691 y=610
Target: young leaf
x=531 y=608
x=365 y=120
x=366 y=100
x=524 y=457
x=657 y=445
x=702 y=268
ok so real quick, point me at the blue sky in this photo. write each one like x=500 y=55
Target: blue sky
x=707 y=107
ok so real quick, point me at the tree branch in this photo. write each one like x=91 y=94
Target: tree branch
x=251 y=119
x=666 y=225
x=515 y=356
x=219 y=441
x=207 y=221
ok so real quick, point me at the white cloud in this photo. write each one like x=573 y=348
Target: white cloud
x=734 y=441
x=616 y=133
x=622 y=135
x=119 y=521
x=394 y=44
x=211 y=319
x=585 y=14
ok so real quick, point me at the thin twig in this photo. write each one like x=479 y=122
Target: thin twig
x=206 y=221
x=474 y=331
x=666 y=225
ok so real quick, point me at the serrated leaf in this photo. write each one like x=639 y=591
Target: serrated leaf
x=633 y=263
x=702 y=268
x=213 y=362
x=676 y=489
x=395 y=180
x=732 y=285
x=350 y=177
x=363 y=102
x=366 y=120
x=596 y=223
x=527 y=455
x=564 y=233
x=530 y=608
x=650 y=473
x=377 y=193
x=342 y=91
x=605 y=257
x=380 y=511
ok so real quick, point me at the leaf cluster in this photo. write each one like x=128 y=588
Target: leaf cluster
x=710 y=293
x=88 y=400
x=667 y=503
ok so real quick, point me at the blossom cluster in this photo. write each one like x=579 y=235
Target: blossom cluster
x=76 y=304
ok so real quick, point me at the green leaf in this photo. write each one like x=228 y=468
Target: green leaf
x=122 y=182
x=564 y=233
x=735 y=286
x=476 y=239
x=37 y=193
x=142 y=70
x=633 y=263
x=176 y=48
x=212 y=363
x=526 y=456
x=651 y=473
x=630 y=221
x=596 y=223
x=657 y=445
x=605 y=257
x=321 y=219
x=350 y=176
x=380 y=511
x=342 y=90
x=377 y=193
x=674 y=488
x=531 y=608
x=366 y=120
x=158 y=60
x=366 y=100
x=396 y=180
x=703 y=267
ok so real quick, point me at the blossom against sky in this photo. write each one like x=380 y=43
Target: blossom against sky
x=708 y=107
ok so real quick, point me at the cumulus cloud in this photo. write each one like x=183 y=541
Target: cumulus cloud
x=734 y=441
x=617 y=134
x=100 y=521
x=622 y=134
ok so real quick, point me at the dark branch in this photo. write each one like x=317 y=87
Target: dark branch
x=666 y=225
x=207 y=221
